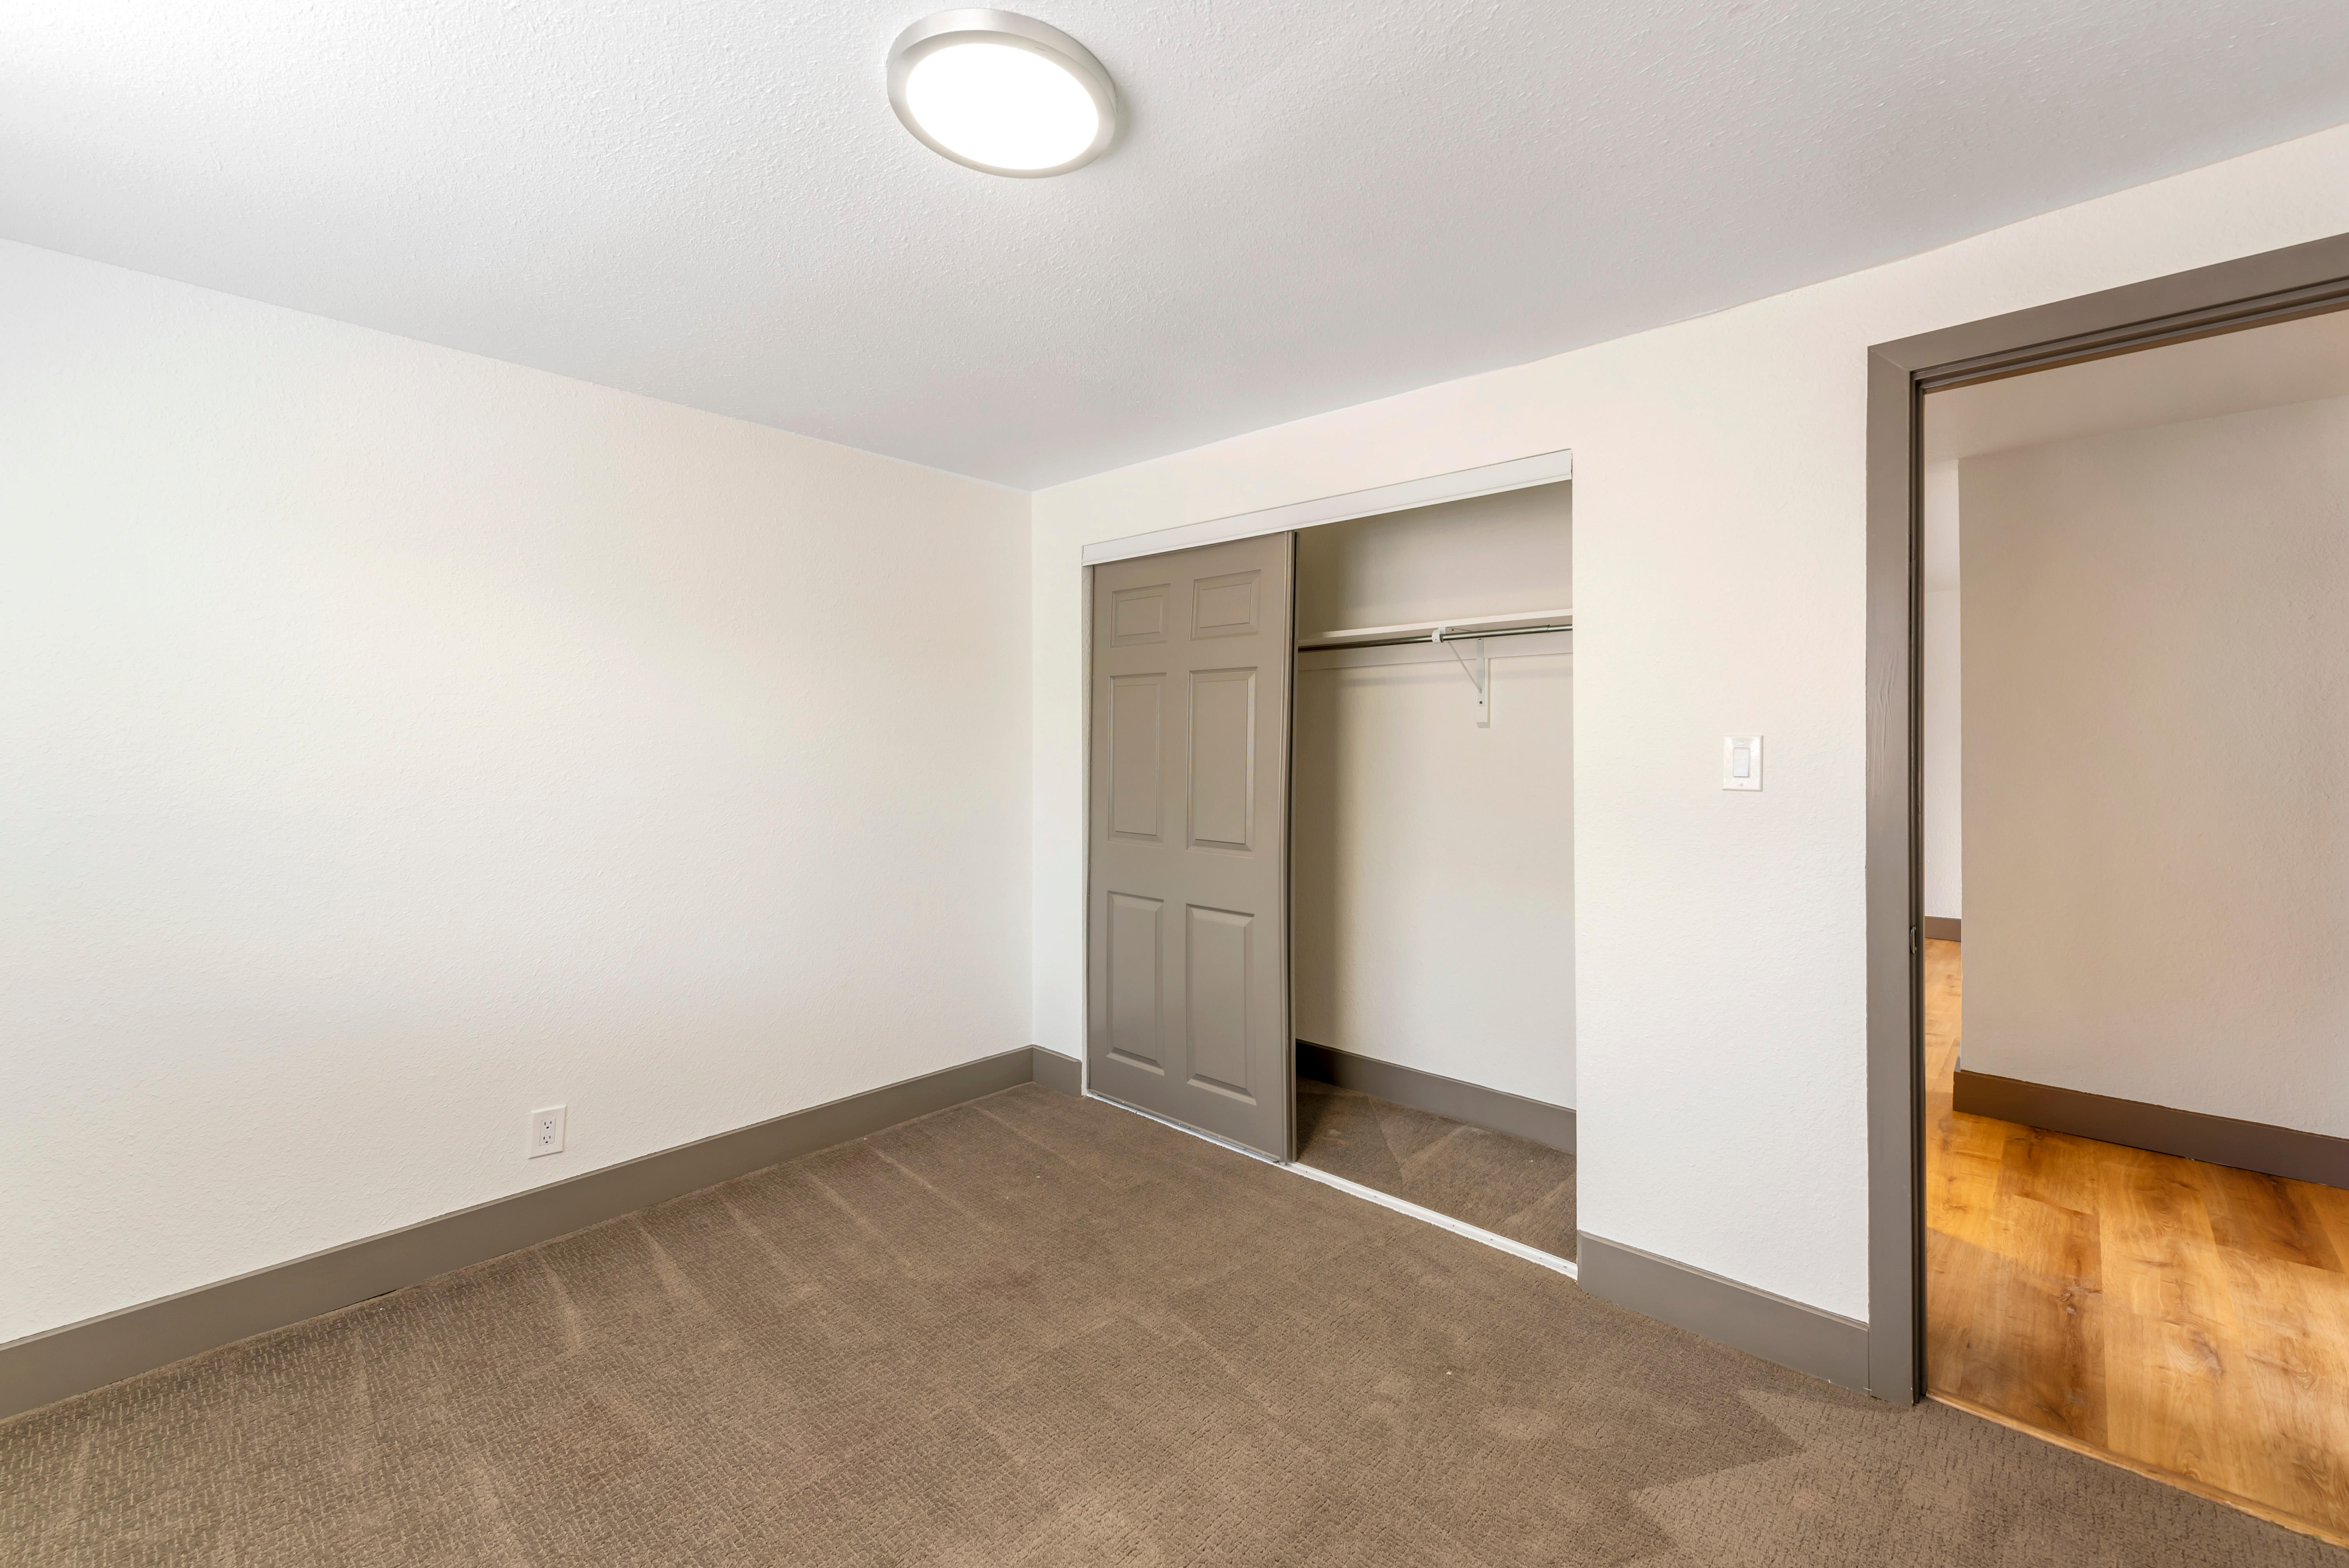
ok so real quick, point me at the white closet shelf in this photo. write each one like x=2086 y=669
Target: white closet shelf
x=1522 y=619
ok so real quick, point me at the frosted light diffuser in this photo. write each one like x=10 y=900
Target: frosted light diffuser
x=1001 y=92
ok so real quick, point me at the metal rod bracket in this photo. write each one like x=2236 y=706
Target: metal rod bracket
x=1480 y=675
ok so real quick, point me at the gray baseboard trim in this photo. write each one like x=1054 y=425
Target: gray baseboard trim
x=1790 y=1333
x=1552 y=1125
x=1942 y=928
x=2165 y=1129
x=1065 y=1075
x=43 y=1368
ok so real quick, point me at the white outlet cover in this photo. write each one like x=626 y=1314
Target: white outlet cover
x=546 y=1130
x=1741 y=762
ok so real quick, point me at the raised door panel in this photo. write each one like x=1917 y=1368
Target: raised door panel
x=1218 y=995
x=1231 y=606
x=1137 y=725
x=1136 y=993
x=1139 y=615
x=1223 y=760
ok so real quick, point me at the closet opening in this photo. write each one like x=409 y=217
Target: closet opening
x=1433 y=861
x=1330 y=849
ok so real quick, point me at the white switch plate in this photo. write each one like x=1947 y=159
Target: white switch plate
x=1741 y=762
x=546 y=1131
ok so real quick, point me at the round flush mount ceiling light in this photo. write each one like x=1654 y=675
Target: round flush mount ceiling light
x=1002 y=93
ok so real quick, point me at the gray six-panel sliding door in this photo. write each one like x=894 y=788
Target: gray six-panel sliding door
x=1188 y=902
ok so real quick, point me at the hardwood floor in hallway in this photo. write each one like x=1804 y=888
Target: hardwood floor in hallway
x=2188 y=1318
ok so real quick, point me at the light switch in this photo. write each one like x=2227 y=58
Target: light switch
x=1741 y=762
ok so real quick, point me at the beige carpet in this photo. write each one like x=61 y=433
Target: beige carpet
x=1037 y=1330
x=1509 y=1185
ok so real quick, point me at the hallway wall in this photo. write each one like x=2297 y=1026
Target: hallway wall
x=2156 y=729
x=1942 y=785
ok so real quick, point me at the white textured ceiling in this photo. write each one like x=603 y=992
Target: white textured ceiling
x=1316 y=201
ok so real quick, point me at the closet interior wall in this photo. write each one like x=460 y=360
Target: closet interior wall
x=1433 y=858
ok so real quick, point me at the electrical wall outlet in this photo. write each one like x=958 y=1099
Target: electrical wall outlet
x=546 y=1131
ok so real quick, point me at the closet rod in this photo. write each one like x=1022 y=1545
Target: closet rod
x=1458 y=635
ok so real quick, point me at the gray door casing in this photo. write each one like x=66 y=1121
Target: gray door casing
x=1186 y=995
x=2276 y=285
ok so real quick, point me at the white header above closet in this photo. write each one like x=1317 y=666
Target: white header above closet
x=1517 y=473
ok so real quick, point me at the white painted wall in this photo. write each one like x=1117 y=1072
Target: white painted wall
x=394 y=740
x=2157 y=729
x=1720 y=524
x=1433 y=915
x=1942 y=784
